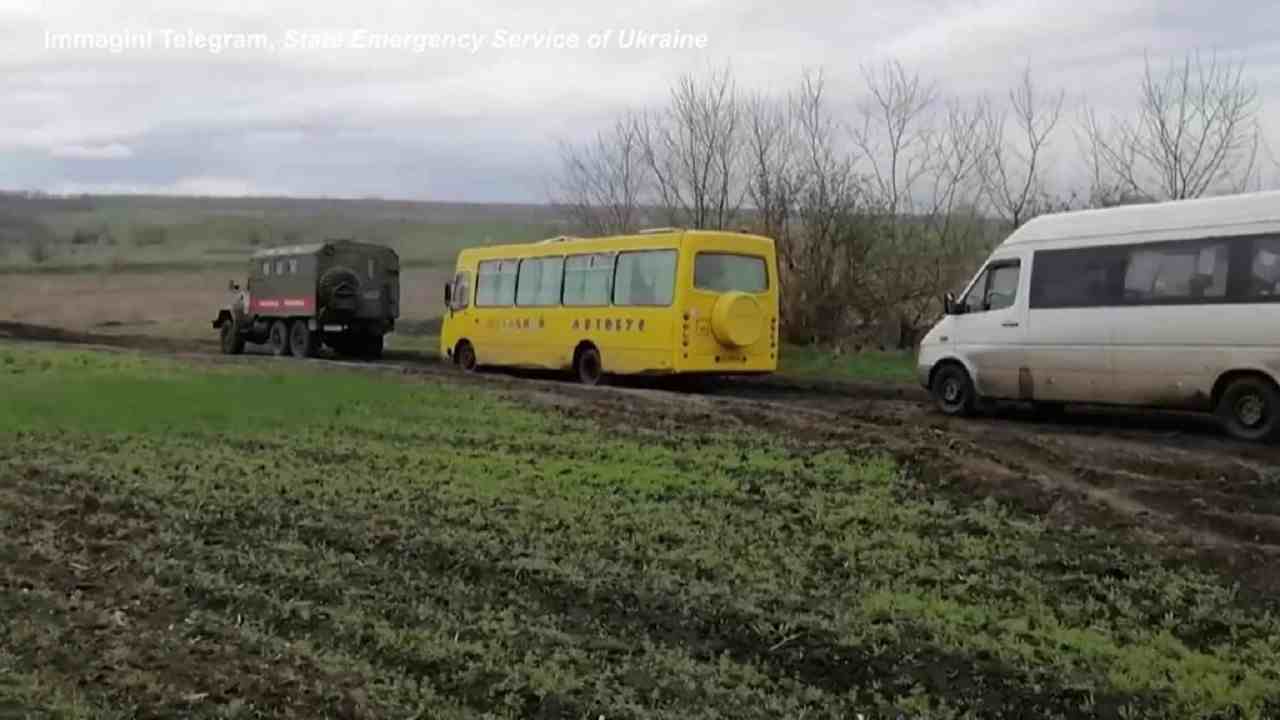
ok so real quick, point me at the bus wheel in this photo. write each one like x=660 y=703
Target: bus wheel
x=1250 y=409
x=953 y=390
x=465 y=356
x=278 y=340
x=588 y=366
x=302 y=342
x=232 y=340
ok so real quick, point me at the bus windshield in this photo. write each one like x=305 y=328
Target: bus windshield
x=724 y=272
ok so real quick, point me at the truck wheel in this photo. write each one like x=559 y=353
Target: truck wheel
x=953 y=390
x=232 y=340
x=278 y=340
x=302 y=342
x=1250 y=409
x=588 y=366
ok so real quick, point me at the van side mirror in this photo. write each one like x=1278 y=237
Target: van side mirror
x=233 y=286
x=949 y=306
x=448 y=294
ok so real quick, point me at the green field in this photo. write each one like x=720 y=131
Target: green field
x=158 y=233
x=261 y=540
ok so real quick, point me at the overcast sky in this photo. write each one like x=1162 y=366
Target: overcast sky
x=481 y=124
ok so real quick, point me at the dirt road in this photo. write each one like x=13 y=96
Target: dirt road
x=1170 y=482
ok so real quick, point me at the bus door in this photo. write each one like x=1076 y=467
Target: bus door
x=990 y=330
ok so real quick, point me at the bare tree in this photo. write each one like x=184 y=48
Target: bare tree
x=925 y=156
x=602 y=182
x=1013 y=176
x=1196 y=132
x=692 y=148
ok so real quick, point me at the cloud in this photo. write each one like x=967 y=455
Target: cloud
x=189 y=186
x=113 y=151
x=452 y=124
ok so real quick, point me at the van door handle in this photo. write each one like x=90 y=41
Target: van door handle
x=1009 y=323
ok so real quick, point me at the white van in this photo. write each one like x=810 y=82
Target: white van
x=1169 y=305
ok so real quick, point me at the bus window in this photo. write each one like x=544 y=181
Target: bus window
x=1264 y=279
x=645 y=278
x=1076 y=278
x=722 y=272
x=1181 y=271
x=540 y=280
x=460 y=296
x=496 y=283
x=588 y=279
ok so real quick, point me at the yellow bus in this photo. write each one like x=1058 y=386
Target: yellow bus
x=660 y=302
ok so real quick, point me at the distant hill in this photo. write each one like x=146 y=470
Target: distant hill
x=63 y=232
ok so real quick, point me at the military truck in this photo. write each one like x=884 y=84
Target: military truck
x=339 y=293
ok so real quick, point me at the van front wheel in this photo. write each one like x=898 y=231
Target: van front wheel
x=1250 y=409
x=953 y=390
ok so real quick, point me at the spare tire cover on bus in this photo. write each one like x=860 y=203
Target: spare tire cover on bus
x=737 y=320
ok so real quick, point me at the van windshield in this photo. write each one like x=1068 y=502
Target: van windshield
x=723 y=272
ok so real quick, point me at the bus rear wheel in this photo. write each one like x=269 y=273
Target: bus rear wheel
x=1250 y=409
x=588 y=366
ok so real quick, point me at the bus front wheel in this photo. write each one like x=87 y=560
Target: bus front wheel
x=953 y=390
x=588 y=366
x=465 y=356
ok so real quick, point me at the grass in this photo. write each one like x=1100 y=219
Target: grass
x=808 y=361
x=234 y=541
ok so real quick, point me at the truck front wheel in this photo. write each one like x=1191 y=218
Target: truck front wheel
x=232 y=340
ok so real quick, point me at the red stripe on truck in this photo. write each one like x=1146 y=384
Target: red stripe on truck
x=304 y=304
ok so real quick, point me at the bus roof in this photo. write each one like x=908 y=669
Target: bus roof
x=663 y=237
x=1232 y=214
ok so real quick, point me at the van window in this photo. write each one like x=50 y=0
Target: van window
x=1181 y=271
x=496 y=283
x=645 y=278
x=540 y=280
x=1088 y=277
x=293 y=266
x=588 y=279
x=1264 y=277
x=722 y=272
x=460 y=295
x=280 y=267
x=266 y=269
x=996 y=289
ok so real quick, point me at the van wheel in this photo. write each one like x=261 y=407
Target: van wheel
x=302 y=342
x=953 y=390
x=278 y=340
x=1250 y=409
x=588 y=366
x=465 y=356
x=232 y=340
